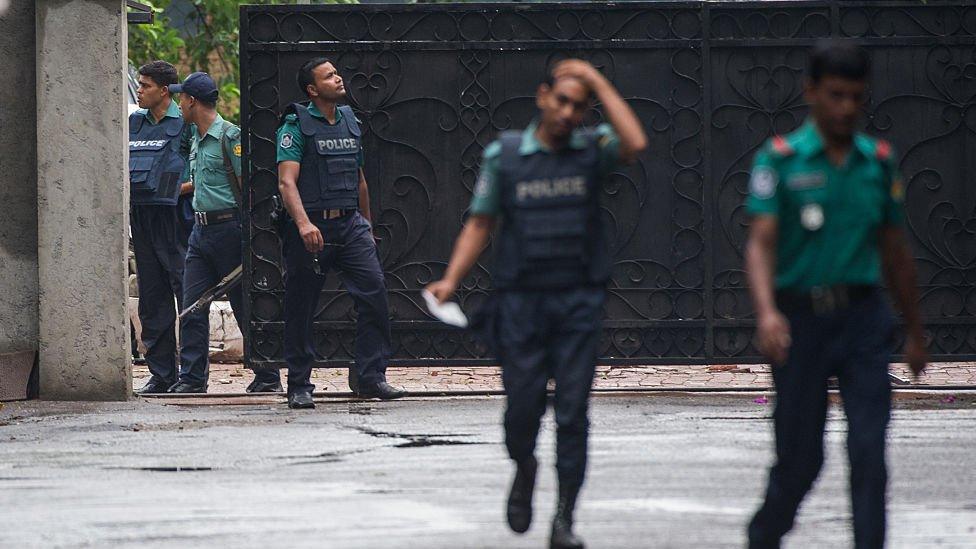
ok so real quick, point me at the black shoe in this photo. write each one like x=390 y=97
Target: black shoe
x=353 y=380
x=519 y=511
x=301 y=400
x=382 y=391
x=562 y=524
x=187 y=387
x=154 y=386
x=265 y=387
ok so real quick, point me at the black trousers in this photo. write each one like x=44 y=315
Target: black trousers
x=542 y=335
x=854 y=345
x=160 y=250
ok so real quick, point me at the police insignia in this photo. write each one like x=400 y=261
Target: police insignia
x=762 y=184
x=897 y=190
x=812 y=217
x=237 y=149
x=286 y=141
x=481 y=186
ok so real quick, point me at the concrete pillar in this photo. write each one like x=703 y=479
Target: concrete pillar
x=83 y=199
x=18 y=199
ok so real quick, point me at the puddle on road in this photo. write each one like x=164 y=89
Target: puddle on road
x=415 y=440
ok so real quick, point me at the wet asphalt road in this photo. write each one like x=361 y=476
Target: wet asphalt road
x=665 y=471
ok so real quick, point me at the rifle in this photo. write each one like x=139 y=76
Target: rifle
x=226 y=284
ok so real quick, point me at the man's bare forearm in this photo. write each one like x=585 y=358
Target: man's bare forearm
x=364 y=198
x=901 y=277
x=470 y=243
x=760 y=268
x=633 y=140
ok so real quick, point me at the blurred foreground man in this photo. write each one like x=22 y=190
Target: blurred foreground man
x=550 y=272
x=826 y=206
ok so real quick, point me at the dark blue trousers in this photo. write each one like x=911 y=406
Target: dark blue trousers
x=160 y=252
x=542 y=335
x=855 y=345
x=354 y=256
x=214 y=251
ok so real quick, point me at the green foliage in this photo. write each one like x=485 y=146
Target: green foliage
x=209 y=42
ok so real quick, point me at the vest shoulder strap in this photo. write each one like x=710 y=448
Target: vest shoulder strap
x=135 y=121
x=306 y=122
x=510 y=141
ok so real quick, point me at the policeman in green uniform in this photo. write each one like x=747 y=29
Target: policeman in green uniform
x=324 y=189
x=826 y=206
x=550 y=272
x=215 y=243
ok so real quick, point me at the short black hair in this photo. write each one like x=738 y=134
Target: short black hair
x=838 y=58
x=305 y=73
x=161 y=72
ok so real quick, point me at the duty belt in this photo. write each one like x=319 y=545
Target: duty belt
x=216 y=216
x=823 y=300
x=329 y=214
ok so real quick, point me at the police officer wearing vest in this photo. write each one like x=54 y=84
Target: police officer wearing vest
x=215 y=243
x=158 y=146
x=827 y=225
x=322 y=185
x=550 y=272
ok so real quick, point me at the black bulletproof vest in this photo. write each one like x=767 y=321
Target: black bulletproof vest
x=552 y=233
x=329 y=177
x=155 y=163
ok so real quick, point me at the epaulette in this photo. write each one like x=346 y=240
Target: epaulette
x=233 y=132
x=781 y=146
x=882 y=150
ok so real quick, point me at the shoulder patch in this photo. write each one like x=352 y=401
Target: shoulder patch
x=286 y=141
x=780 y=146
x=883 y=150
x=763 y=182
x=237 y=150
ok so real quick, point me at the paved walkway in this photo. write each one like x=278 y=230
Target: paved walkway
x=233 y=378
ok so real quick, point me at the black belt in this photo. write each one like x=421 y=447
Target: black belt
x=822 y=300
x=329 y=214
x=216 y=216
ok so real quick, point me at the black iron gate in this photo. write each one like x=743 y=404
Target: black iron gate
x=434 y=83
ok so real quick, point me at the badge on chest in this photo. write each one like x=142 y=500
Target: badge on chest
x=812 y=216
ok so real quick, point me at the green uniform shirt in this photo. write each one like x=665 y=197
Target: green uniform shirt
x=291 y=141
x=211 y=189
x=829 y=217
x=487 y=192
x=173 y=111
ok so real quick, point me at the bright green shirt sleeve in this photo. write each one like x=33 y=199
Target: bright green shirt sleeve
x=894 y=205
x=487 y=198
x=234 y=144
x=609 y=145
x=763 y=196
x=291 y=142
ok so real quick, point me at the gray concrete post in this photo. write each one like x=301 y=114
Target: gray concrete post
x=83 y=200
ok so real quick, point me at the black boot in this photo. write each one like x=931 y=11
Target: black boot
x=562 y=524
x=519 y=510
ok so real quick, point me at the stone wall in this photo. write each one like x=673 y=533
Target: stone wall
x=18 y=197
